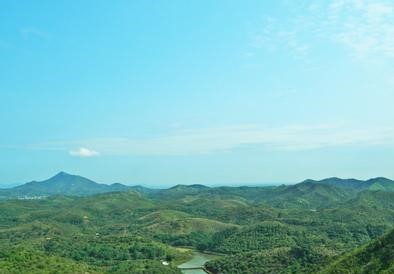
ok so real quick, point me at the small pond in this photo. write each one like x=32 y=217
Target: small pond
x=198 y=261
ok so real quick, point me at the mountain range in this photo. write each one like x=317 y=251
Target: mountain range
x=379 y=183
x=328 y=226
x=307 y=194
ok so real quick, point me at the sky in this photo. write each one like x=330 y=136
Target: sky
x=160 y=93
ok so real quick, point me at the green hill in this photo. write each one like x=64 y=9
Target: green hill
x=372 y=199
x=375 y=257
x=60 y=184
x=303 y=195
x=27 y=260
x=309 y=195
x=279 y=229
x=379 y=183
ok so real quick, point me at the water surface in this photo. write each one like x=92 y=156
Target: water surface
x=198 y=260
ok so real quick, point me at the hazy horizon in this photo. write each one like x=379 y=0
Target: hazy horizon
x=196 y=92
x=150 y=185
x=164 y=186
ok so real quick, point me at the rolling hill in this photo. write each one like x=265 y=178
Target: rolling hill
x=307 y=194
x=379 y=183
x=298 y=228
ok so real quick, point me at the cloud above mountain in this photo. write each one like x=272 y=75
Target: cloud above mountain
x=83 y=152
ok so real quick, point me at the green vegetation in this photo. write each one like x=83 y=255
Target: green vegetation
x=379 y=183
x=376 y=257
x=25 y=260
x=277 y=260
x=303 y=228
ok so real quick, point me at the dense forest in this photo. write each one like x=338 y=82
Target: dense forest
x=375 y=257
x=329 y=226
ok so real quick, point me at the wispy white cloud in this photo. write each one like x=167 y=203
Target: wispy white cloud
x=83 y=153
x=365 y=28
x=225 y=139
x=275 y=36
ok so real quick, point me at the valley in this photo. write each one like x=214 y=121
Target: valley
x=301 y=228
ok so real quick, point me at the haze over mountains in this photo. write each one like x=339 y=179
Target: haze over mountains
x=309 y=191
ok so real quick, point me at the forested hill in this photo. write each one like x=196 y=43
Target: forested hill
x=308 y=194
x=375 y=257
x=299 y=228
x=379 y=183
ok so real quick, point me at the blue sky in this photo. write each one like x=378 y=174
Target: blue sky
x=215 y=92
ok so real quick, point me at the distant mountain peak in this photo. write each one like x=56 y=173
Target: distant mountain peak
x=63 y=177
x=62 y=174
x=63 y=184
